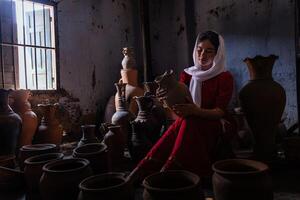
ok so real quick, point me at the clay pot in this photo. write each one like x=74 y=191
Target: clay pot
x=50 y=130
x=115 y=143
x=128 y=61
x=34 y=150
x=8 y=161
x=34 y=168
x=107 y=186
x=10 y=126
x=122 y=116
x=88 y=135
x=61 y=178
x=177 y=92
x=175 y=185
x=11 y=180
x=237 y=179
x=96 y=153
x=22 y=106
x=110 y=109
x=263 y=101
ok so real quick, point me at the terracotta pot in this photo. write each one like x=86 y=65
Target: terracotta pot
x=8 y=161
x=61 y=178
x=50 y=130
x=175 y=185
x=122 y=116
x=107 y=186
x=34 y=150
x=237 y=179
x=128 y=61
x=10 y=125
x=96 y=153
x=22 y=106
x=88 y=135
x=263 y=101
x=177 y=92
x=34 y=168
x=11 y=180
x=115 y=143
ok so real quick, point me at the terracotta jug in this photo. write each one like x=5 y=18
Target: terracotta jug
x=50 y=131
x=263 y=101
x=175 y=185
x=10 y=126
x=22 y=106
x=237 y=179
x=128 y=61
x=61 y=178
x=177 y=92
x=107 y=186
x=122 y=116
x=88 y=135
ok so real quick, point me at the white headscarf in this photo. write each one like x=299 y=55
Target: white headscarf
x=198 y=75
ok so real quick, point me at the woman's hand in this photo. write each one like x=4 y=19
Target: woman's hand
x=185 y=110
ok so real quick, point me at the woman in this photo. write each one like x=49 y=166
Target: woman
x=191 y=140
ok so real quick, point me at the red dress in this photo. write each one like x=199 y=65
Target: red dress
x=189 y=142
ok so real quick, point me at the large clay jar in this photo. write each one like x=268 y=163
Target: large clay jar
x=61 y=178
x=237 y=179
x=115 y=143
x=175 y=185
x=263 y=101
x=34 y=150
x=88 y=135
x=22 y=106
x=177 y=92
x=105 y=186
x=96 y=153
x=50 y=131
x=34 y=168
x=122 y=116
x=10 y=125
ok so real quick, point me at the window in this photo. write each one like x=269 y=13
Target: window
x=28 y=45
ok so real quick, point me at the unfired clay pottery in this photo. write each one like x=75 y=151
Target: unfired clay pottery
x=22 y=106
x=263 y=101
x=10 y=126
x=106 y=186
x=177 y=92
x=237 y=179
x=88 y=135
x=50 y=131
x=61 y=178
x=175 y=185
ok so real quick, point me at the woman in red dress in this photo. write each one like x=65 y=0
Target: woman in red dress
x=190 y=141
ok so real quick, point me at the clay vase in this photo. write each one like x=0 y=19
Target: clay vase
x=22 y=106
x=88 y=135
x=237 y=179
x=96 y=153
x=175 y=185
x=128 y=61
x=61 y=178
x=107 y=186
x=50 y=130
x=28 y=151
x=115 y=143
x=263 y=101
x=10 y=126
x=34 y=168
x=122 y=116
x=177 y=92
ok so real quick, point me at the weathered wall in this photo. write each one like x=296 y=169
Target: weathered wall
x=249 y=27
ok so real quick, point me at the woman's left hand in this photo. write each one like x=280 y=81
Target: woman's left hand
x=185 y=110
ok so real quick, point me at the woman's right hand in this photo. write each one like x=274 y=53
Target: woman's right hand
x=161 y=94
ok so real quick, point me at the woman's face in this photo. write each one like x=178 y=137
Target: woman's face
x=206 y=54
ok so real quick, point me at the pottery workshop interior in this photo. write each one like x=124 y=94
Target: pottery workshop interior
x=149 y=99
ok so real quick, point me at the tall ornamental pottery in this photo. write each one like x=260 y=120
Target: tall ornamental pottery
x=88 y=135
x=10 y=125
x=263 y=101
x=22 y=106
x=241 y=179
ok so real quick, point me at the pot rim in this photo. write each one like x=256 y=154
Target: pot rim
x=85 y=163
x=102 y=149
x=30 y=160
x=259 y=166
x=190 y=175
x=109 y=174
x=38 y=147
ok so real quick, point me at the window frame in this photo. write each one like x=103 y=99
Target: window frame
x=13 y=44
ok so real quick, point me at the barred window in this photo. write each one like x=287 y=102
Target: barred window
x=28 y=54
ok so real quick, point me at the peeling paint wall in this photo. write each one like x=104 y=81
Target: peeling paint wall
x=249 y=27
